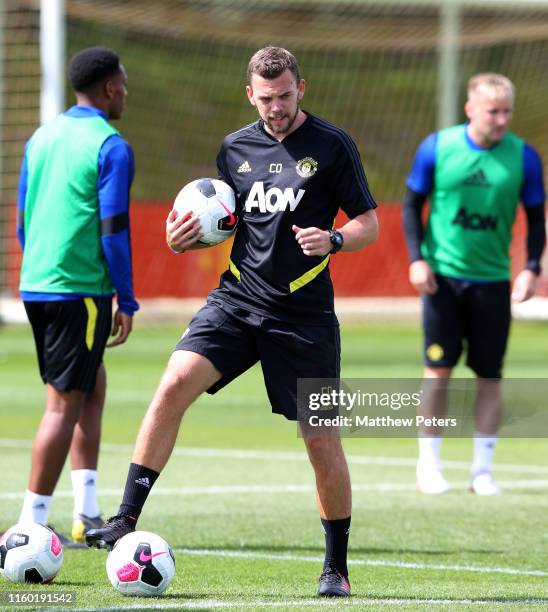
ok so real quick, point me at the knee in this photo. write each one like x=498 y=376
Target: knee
x=324 y=452
x=440 y=373
x=66 y=411
x=173 y=381
x=490 y=387
x=171 y=396
x=316 y=445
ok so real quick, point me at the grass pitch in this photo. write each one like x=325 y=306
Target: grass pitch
x=236 y=501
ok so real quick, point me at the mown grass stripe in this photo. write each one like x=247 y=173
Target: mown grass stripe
x=295 y=456
x=285 y=488
x=354 y=602
x=369 y=562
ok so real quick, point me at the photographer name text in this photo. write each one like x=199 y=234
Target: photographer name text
x=379 y=421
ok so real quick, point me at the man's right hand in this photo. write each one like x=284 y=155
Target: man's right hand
x=422 y=277
x=182 y=232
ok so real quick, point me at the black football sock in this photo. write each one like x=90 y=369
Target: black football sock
x=138 y=484
x=336 y=543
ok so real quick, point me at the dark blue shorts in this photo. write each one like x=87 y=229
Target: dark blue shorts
x=467 y=314
x=234 y=339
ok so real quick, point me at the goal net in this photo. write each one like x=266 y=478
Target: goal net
x=372 y=68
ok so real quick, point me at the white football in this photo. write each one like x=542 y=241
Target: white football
x=30 y=552
x=141 y=563
x=214 y=204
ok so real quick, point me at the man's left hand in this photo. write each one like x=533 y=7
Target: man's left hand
x=313 y=240
x=524 y=287
x=121 y=328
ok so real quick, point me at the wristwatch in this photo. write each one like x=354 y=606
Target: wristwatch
x=534 y=267
x=337 y=240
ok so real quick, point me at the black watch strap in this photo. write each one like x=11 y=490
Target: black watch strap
x=337 y=241
x=534 y=266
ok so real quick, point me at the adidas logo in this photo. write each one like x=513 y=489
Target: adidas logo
x=89 y=482
x=145 y=482
x=245 y=167
x=477 y=179
x=40 y=506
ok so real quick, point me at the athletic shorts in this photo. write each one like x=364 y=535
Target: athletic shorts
x=234 y=339
x=473 y=314
x=70 y=338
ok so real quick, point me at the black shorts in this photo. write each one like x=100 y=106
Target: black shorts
x=477 y=314
x=70 y=338
x=234 y=339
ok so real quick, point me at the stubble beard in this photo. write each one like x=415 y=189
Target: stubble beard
x=285 y=129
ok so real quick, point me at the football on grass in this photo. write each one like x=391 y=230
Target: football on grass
x=214 y=204
x=141 y=563
x=30 y=552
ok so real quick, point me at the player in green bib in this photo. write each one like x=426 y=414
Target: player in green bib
x=73 y=227
x=474 y=175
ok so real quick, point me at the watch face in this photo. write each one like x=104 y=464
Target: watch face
x=336 y=240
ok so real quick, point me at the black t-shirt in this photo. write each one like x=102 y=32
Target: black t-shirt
x=302 y=181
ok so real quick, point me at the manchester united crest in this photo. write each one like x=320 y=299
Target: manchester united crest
x=306 y=167
x=435 y=352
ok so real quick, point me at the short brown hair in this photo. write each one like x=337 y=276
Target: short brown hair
x=270 y=62
x=496 y=85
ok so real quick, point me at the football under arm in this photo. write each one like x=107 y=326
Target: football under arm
x=360 y=231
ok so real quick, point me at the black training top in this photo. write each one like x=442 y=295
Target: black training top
x=302 y=181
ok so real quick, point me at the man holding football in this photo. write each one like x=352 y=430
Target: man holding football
x=292 y=171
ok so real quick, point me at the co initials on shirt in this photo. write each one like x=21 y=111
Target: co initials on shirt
x=275 y=168
x=274 y=200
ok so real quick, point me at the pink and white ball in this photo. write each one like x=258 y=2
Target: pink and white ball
x=141 y=563
x=30 y=552
x=213 y=203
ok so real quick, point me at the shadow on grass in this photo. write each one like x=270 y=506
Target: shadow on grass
x=69 y=583
x=188 y=596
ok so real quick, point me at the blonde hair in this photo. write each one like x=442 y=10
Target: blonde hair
x=493 y=84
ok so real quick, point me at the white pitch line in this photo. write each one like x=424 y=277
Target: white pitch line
x=232 y=489
x=369 y=562
x=295 y=456
x=284 y=488
x=354 y=602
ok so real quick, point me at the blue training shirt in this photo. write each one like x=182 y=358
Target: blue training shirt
x=116 y=169
x=421 y=176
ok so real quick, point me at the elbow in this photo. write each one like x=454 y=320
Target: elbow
x=376 y=230
x=373 y=230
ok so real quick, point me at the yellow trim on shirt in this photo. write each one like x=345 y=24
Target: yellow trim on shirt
x=233 y=269
x=298 y=283
x=303 y=280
